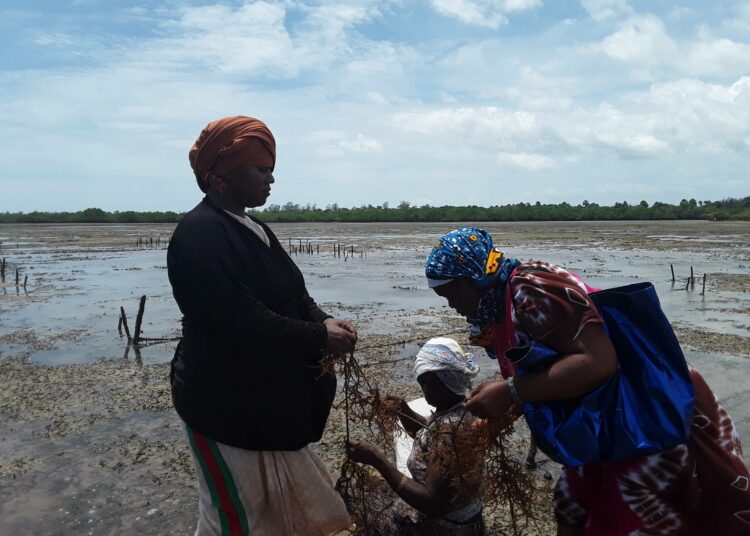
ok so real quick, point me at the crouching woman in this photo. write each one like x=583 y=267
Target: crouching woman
x=446 y=471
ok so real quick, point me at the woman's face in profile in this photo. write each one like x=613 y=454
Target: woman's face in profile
x=433 y=389
x=250 y=186
x=462 y=296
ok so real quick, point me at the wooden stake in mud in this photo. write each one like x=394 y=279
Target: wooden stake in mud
x=138 y=320
x=119 y=325
x=703 y=290
x=687 y=285
x=692 y=277
x=2 y=269
x=25 y=280
x=672 y=268
x=16 y=275
x=124 y=318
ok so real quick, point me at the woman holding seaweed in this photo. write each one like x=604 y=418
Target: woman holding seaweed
x=675 y=468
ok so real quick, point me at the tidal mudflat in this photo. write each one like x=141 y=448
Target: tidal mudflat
x=88 y=440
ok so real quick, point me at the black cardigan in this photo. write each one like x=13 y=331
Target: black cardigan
x=245 y=372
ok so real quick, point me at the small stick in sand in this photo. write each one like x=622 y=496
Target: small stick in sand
x=124 y=318
x=138 y=320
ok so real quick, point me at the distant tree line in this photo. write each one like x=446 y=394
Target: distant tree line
x=90 y=215
x=727 y=209
x=687 y=209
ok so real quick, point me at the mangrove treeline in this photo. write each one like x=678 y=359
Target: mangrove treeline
x=687 y=209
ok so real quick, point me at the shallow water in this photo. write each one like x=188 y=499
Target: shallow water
x=80 y=275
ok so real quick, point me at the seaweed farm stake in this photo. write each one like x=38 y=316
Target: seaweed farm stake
x=703 y=290
x=138 y=320
x=672 y=268
x=124 y=319
x=692 y=277
x=139 y=342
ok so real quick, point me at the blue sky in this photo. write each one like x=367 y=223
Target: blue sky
x=437 y=101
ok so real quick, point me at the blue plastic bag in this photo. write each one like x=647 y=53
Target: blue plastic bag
x=646 y=407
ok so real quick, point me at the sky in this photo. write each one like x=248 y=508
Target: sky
x=458 y=102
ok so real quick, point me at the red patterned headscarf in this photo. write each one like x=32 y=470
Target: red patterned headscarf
x=228 y=143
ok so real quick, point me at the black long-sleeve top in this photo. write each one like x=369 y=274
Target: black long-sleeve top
x=245 y=372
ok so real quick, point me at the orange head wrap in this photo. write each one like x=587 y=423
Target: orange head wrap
x=228 y=143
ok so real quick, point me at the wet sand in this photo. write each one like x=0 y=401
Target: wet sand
x=89 y=442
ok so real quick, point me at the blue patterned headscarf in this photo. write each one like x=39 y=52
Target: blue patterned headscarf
x=468 y=252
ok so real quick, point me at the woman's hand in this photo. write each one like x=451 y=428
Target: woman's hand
x=342 y=336
x=364 y=452
x=347 y=325
x=491 y=400
x=394 y=403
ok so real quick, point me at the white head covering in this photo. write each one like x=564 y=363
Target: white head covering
x=446 y=358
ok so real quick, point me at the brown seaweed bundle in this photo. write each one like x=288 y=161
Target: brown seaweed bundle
x=503 y=479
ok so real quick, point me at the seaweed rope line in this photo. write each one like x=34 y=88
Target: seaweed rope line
x=401 y=342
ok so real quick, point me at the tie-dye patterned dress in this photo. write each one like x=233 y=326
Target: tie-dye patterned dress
x=698 y=488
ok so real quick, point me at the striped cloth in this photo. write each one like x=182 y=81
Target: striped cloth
x=268 y=493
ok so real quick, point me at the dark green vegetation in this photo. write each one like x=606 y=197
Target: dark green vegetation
x=726 y=209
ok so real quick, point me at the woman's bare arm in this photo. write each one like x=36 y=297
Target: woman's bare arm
x=585 y=364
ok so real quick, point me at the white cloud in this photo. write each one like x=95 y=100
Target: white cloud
x=251 y=39
x=482 y=127
x=487 y=13
x=471 y=12
x=527 y=161
x=680 y=118
x=639 y=40
x=715 y=56
x=740 y=19
x=520 y=5
x=338 y=143
x=605 y=9
x=643 y=42
x=362 y=144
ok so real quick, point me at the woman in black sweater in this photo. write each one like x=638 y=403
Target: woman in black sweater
x=245 y=377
